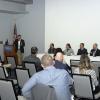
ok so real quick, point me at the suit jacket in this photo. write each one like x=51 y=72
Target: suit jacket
x=51 y=51
x=82 y=51
x=97 y=52
x=22 y=44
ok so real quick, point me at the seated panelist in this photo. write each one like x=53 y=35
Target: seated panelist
x=68 y=51
x=82 y=50
x=51 y=50
x=95 y=51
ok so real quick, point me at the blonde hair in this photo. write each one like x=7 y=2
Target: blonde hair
x=85 y=63
x=46 y=60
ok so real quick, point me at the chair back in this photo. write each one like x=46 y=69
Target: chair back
x=22 y=76
x=31 y=66
x=2 y=73
x=43 y=92
x=83 y=86
x=74 y=64
x=96 y=66
x=6 y=90
x=11 y=60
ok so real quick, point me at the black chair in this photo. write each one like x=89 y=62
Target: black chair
x=31 y=66
x=84 y=88
x=96 y=67
x=74 y=64
x=7 y=91
x=11 y=70
x=22 y=76
x=43 y=92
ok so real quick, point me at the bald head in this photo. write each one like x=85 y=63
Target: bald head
x=59 y=56
x=46 y=60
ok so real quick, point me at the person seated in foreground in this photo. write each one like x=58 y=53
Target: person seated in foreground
x=58 y=62
x=57 y=50
x=59 y=79
x=82 y=50
x=68 y=51
x=95 y=51
x=51 y=50
x=33 y=58
x=85 y=67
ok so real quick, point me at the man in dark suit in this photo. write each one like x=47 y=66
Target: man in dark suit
x=82 y=50
x=51 y=50
x=95 y=51
x=19 y=45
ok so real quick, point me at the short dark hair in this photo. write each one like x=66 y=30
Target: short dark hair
x=52 y=44
x=34 y=50
x=57 y=50
x=18 y=35
x=68 y=44
x=82 y=44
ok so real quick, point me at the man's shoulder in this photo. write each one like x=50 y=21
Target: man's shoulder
x=92 y=49
x=98 y=50
x=85 y=49
x=22 y=40
x=61 y=71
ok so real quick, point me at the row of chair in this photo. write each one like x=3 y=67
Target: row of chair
x=82 y=84
x=74 y=64
x=28 y=65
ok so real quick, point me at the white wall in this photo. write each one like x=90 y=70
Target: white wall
x=6 y=29
x=32 y=26
x=72 y=21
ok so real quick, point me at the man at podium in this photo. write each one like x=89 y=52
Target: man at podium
x=19 y=45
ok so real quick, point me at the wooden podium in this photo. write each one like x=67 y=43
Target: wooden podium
x=10 y=51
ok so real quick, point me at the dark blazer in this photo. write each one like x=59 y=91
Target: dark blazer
x=60 y=65
x=83 y=51
x=51 y=51
x=97 y=53
x=22 y=44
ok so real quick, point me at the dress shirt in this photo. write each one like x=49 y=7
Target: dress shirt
x=57 y=78
x=18 y=45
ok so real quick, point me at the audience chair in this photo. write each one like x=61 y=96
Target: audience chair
x=96 y=67
x=43 y=92
x=11 y=60
x=7 y=91
x=74 y=64
x=22 y=76
x=31 y=66
x=11 y=70
x=84 y=88
x=2 y=73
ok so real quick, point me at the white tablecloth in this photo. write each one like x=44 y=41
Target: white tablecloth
x=68 y=58
x=21 y=98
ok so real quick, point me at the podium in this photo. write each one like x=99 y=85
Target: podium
x=10 y=51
